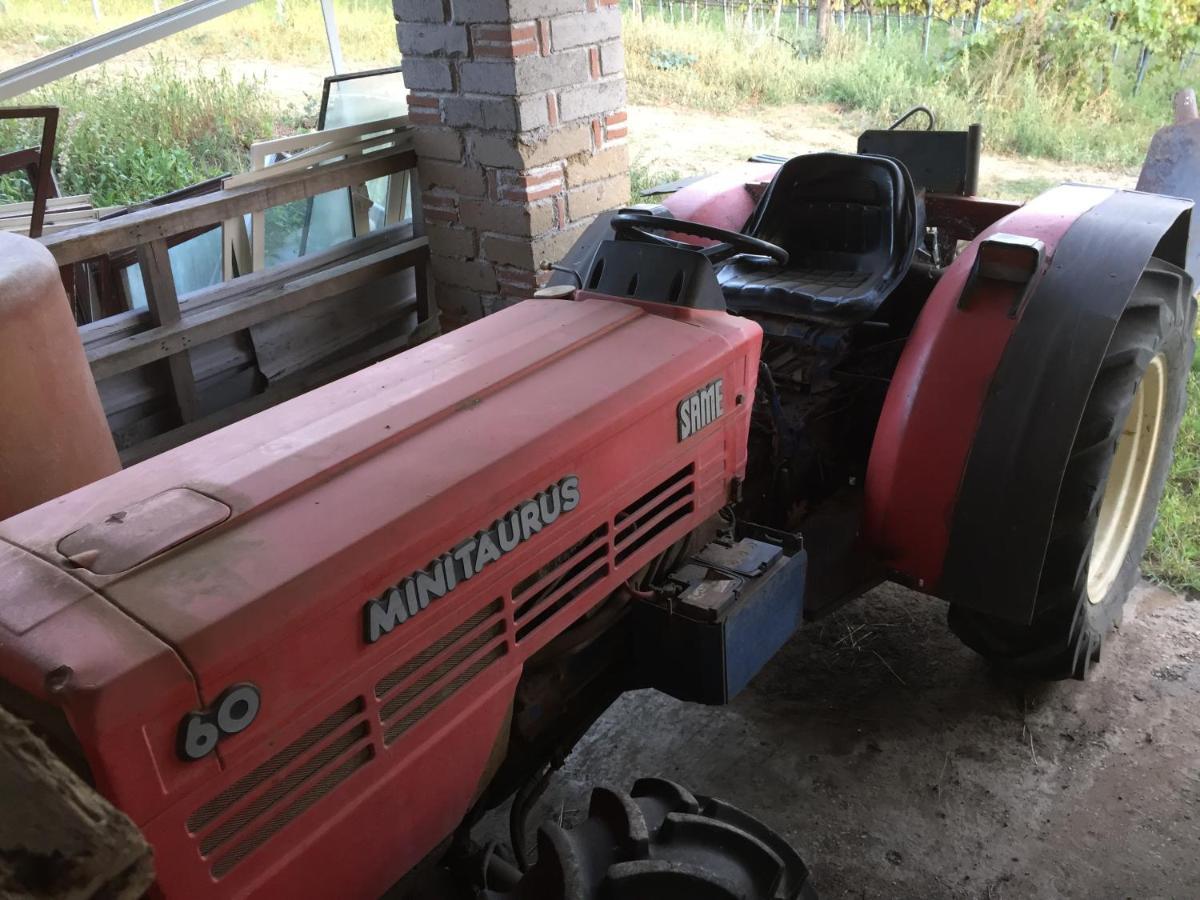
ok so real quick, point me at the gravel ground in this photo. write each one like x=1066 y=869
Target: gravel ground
x=900 y=766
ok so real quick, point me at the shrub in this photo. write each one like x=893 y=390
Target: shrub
x=128 y=136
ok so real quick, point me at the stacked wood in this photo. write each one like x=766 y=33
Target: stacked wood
x=62 y=213
x=193 y=361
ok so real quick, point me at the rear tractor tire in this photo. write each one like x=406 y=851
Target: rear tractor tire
x=1108 y=500
x=659 y=842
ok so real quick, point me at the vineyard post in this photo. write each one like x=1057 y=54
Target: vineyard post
x=823 y=11
x=928 y=25
x=1143 y=65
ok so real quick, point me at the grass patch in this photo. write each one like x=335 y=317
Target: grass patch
x=367 y=29
x=640 y=178
x=1174 y=554
x=1023 y=110
x=125 y=137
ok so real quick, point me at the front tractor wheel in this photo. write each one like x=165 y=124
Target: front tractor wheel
x=659 y=842
x=1109 y=495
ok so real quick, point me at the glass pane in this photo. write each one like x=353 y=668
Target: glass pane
x=367 y=99
x=357 y=100
x=307 y=226
x=195 y=264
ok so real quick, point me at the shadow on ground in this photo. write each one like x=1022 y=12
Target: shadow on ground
x=902 y=767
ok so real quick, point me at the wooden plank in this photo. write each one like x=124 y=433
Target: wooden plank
x=426 y=298
x=175 y=337
x=235 y=248
x=318 y=333
x=346 y=133
x=164 y=312
x=318 y=156
x=53 y=204
x=397 y=193
x=155 y=223
x=125 y=324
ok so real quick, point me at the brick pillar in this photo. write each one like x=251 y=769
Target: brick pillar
x=518 y=111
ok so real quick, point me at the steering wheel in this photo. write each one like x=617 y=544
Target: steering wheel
x=639 y=226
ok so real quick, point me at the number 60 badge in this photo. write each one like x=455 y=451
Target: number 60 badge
x=201 y=729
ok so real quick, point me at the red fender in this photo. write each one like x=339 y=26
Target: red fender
x=724 y=200
x=937 y=394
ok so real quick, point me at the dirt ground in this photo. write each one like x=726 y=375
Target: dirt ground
x=902 y=767
x=689 y=141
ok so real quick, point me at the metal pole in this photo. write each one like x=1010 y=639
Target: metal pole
x=331 y=35
x=102 y=47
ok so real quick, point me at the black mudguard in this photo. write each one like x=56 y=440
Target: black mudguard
x=1006 y=502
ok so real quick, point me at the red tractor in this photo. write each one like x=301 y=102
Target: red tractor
x=305 y=653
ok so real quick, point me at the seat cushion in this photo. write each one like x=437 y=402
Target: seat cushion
x=850 y=226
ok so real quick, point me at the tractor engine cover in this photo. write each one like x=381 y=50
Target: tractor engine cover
x=335 y=598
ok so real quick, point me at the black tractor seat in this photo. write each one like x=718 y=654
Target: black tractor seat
x=850 y=224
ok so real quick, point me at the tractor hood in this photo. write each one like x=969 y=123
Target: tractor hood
x=249 y=554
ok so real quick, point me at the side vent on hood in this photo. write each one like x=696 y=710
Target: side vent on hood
x=252 y=810
x=654 y=512
x=542 y=593
x=414 y=690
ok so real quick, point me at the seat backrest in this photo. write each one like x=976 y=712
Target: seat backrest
x=839 y=211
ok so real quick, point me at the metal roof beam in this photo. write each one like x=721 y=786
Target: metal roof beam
x=104 y=47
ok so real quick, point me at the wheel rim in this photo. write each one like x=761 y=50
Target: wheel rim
x=1128 y=480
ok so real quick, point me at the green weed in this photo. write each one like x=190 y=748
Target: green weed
x=1024 y=110
x=125 y=137
x=641 y=178
x=1174 y=554
x=366 y=28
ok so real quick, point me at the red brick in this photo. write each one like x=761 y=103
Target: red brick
x=560 y=212
x=597 y=134
x=544 y=36
x=439 y=207
x=536 y=185
x=505 y=51
x=615 y=134
x=424 y=109
x=529 y=195
x=552 y=108
x=505 y=34
x=504 y=41
x=609 y=2
x=594 y=61
x=425 y=100
x=421 y=116
x=515 y=282
x=441 y=215
x=616 y=118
